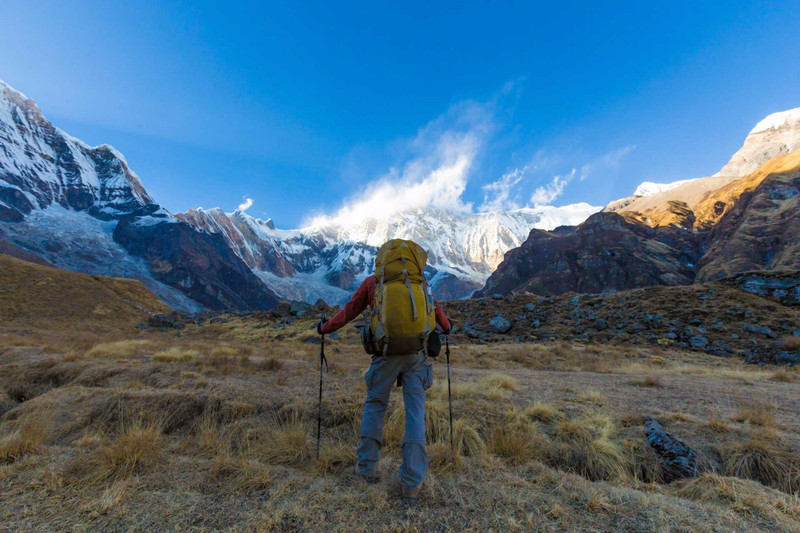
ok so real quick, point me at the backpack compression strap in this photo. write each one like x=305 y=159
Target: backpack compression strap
x=410 y=293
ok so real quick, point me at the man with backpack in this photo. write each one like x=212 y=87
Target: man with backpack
x=400 y=336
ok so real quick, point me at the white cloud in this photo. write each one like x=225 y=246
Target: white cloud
x=247 y=204
x=609 y=161
x=435 y=173
x=497 y=196
x=546 y=194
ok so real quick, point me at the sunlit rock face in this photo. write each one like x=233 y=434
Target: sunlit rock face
x=746 y=218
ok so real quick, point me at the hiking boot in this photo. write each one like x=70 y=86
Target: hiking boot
x=410 y=494
x=370 y=480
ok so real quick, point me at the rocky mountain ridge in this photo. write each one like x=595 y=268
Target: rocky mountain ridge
x=674 y=234
x=329 y=260
x=83 y=209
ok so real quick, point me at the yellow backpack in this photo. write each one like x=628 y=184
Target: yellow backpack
x=403 y=313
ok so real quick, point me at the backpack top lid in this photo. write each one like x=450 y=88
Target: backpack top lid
x=400 y=249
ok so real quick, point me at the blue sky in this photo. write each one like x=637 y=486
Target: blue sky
x=309 y=108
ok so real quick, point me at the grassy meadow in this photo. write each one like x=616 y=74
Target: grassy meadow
x=212 y=427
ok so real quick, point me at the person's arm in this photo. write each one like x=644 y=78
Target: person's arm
x=441 y=318
x=351 y=309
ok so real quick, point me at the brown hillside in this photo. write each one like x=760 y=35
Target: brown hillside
x=40 y=297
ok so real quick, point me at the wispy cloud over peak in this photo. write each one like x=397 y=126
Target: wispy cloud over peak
x=500 y=195
x=247 y=204
x=434 y=173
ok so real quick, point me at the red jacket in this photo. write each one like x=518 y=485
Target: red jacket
x=363 y=298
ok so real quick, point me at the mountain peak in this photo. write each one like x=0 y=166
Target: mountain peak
x=781 y=119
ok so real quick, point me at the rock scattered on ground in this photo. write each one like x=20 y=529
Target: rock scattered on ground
x=678 y=460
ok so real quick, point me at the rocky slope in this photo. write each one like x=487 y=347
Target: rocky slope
x=63 y=201
x=754 y=316
x=695 y=230
x=329 y=260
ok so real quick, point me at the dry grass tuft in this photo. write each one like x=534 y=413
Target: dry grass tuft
x=25 y=436
x=647 y=381
x=763 y=459
x=241 y=474
x=176 y=354
x=586 y=448
x=281 y=441
x=717 y=425
x=120 y=349
x=498 y=385
x=756 y=415
x=137 y=445
x=744 y=497
x=785 y=375
x=267 y=364
x=591 y=396
x=544 y=412
x=519 y=440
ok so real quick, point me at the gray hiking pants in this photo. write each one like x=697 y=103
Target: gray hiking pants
x=416 y=376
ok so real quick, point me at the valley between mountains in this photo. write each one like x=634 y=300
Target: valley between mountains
x=626 y=368
x=84 y=209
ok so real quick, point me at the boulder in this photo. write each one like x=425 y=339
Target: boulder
x=678 y=460
x=283 y=309
x=299 y=308
x=164 y=321
x=500 y=324
x=761 y=330
x=600 y=324
x=698 y=342
x=787 y=358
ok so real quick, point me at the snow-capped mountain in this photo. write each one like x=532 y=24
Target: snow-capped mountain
x=40 y=166
x=82 y=208
x=777 y=134
x=328 y=260
x=659 y=203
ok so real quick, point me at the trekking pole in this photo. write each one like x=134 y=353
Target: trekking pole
x=449 y=397
x=319 y=405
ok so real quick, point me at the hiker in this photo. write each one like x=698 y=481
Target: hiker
x=403 y=317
